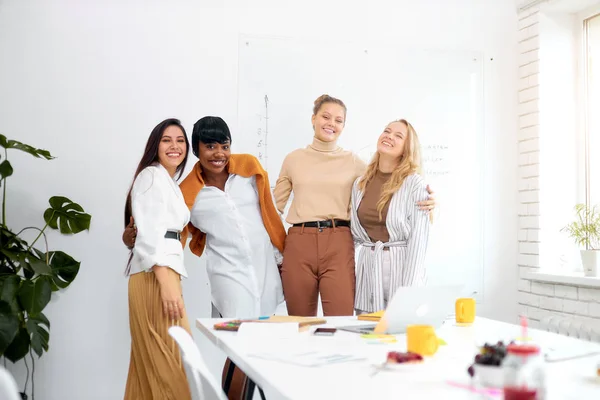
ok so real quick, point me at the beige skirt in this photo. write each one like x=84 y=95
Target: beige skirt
x=155 y=369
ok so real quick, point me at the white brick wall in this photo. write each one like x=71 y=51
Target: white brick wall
x=537 y=300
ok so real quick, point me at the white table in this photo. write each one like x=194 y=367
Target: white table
x=570 y=379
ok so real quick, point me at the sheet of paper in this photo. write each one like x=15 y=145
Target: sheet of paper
x=260 y=330
x=308 y=358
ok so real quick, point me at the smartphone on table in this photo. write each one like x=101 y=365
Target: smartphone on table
x=324 y=331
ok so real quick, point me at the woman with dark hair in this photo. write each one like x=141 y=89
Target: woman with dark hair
x=156 y=266
x=233 y=216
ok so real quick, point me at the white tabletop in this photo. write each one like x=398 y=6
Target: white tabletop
x=571 y=379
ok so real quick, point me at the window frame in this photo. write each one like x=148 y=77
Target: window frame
x=580 y=13
x=584 y=179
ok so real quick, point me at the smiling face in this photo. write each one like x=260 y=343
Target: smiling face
x=328 y=122
x=172 y=148
x=214 y=157
x=393 y=140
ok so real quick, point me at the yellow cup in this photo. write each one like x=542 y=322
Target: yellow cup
x=421 y=339
x=465 y=310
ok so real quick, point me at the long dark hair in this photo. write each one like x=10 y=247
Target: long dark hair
x=150 y=157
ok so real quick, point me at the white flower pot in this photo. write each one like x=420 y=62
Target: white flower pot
x=591 y=262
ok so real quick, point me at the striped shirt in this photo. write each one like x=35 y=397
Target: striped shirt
x=409 y=233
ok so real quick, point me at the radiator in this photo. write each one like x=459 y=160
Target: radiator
x=573 y=327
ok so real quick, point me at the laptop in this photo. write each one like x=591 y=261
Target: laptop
x=429 y=305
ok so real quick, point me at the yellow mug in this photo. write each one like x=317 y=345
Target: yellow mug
x=465 y=310
x=421 y=339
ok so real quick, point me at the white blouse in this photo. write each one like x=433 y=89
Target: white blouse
x=408 y=228
x=157 y=205
x=240 y=258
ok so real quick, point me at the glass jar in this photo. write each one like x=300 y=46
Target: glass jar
x=524 y=375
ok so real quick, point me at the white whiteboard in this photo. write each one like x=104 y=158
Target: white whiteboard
x=440 y=92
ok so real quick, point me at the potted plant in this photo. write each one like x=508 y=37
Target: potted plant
x=28 y=275
x=585 y=230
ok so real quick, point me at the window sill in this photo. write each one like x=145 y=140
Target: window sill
x=573 y=279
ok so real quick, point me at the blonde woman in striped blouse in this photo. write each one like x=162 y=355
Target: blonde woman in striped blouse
x=387 y=225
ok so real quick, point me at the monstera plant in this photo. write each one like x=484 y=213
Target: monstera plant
x=29 y=275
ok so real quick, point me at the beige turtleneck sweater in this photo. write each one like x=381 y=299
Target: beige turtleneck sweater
x=321 y=177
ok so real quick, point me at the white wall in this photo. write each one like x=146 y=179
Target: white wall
x=88 y=81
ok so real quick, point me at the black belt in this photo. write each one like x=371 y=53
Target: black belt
x=324 y=224
x=173 y=235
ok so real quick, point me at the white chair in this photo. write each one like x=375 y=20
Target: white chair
x=8 y=386
x=203 y=384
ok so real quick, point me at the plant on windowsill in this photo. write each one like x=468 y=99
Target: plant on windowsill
x=585 y=230
x=29 y=276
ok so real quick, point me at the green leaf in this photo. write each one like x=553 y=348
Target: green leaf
x=6 y=169
x=9 y=287
x=9 y=326
x=68 y=215
x=39 y=336
x=38 y=266
x=13 y=144
x=29 y=274
x=5 y=268
x=64 y=268
x=40 y=319
x=35 y=295
x=585 y=230
x=19 y=346
x=10 y=240
x=8 y=267
x=12 y=251
x=40 y=254
x=13 y=254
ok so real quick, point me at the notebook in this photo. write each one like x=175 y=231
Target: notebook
x=303 y=322
x=376 y=316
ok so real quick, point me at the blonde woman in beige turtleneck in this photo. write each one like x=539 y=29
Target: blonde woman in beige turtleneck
x=319 y=249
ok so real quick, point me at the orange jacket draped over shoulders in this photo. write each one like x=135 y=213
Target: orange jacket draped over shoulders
x=247 y=166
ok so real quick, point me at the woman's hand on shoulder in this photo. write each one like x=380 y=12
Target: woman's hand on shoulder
x=429 y=204
x=130 y=233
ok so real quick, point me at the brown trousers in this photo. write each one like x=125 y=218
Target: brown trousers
x=155 y=368
x=319 y=260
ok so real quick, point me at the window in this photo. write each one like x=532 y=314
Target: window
x=591 y=63
x=568 y=86
x=569 y=129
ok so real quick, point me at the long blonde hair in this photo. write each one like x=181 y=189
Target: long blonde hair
x=410 y=163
